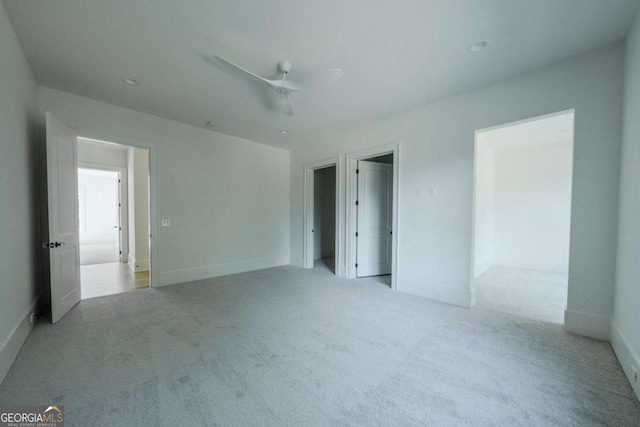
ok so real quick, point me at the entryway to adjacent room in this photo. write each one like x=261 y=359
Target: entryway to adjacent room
x=324 y=218
x=322 y=226
x=113 y=217
x=522 y=217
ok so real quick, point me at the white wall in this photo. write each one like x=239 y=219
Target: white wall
x=98 y=195
x=20 y=143
x=227 y=198
x=626 y=318
x=324 y=212
x=484 y=206
x=436 y=150
x=97 y=153
x=533 y=207
x=138 y=171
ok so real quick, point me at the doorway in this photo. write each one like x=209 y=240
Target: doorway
x=372 y=213
x=522 y=217
x=322 y=224
x=113 y=217
x=374 y=229
x=324 y=218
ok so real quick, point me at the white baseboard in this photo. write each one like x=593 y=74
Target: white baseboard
x=138 y=264
x=532 y=263
x=460 y=297
x=297 y=261
x=12 y=345
x=588 y=325
x=206 y=272
x=626 y=356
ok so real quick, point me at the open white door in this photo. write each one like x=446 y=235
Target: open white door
x=374 y=219
x=62 y=192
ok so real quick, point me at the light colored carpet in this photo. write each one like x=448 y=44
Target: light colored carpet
x=536 y=294
x=287 y=346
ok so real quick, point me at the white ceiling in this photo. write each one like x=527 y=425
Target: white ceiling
x=546 y=130
x=396 y=55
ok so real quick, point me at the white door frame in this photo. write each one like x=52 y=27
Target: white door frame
x=123 y=212
x=309 y=170
x=352 y=193
x=475 y=172
x=106 y=138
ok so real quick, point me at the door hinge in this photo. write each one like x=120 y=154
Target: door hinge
x=356 y=234
x=120 y=252
x=356 y=203
x=356 y=265
x=357 y=170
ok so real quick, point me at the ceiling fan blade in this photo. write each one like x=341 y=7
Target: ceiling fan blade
x=285 y=103
x=318 y=80
x=237 y=67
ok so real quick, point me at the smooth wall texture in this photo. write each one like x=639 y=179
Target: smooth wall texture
x=437 y=150
x=227 y=198
x=626 y=318
x=485 y=184
x=20 y=135
x=533 y=207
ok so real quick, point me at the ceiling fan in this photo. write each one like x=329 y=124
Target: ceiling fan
x=284 y=87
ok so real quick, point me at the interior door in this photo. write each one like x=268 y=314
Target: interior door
x=62 y=192
x=374 y=219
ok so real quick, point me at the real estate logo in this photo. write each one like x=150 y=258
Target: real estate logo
x=32 y=416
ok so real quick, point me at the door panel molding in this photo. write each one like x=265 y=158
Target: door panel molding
x=351 y=164
x=63 y=238
x=374 y=218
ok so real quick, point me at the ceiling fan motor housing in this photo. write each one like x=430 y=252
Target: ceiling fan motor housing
x=284 y=66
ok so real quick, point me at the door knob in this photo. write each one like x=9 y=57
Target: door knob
x=52 y=245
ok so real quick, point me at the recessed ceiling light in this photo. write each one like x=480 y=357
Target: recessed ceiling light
x=211 y=123
x=131 y=82
x=478 y=46
x=284 y=132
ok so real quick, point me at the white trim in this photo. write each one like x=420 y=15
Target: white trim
x=216 y=270
x=124 y=202
x=351 y=181
x=587 y=324
x=460 y=297
x=137 y=265
x=100 y=136
x=626 y=356
x=527 y=120
x=475 y=272
x=309 y=169
x=13 y=343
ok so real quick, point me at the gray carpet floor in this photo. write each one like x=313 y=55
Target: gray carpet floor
x=536 y=294
x=287 y=346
